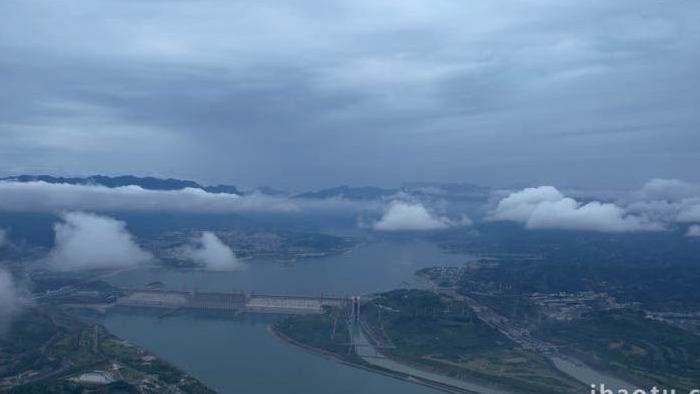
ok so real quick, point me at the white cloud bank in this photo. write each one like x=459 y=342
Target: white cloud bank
x=11 y=300
x=407 y=216
x=546 y=207
x=87 y=241
x=49 y=197
x=213 y=254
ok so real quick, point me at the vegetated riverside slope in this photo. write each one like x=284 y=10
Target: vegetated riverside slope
x=631 y=345
x=438 y=334
x=444 y=335
x=47 y=351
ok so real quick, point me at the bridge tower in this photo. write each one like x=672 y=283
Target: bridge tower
x=355 y=309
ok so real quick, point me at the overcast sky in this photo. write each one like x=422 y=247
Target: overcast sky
x=306 y=94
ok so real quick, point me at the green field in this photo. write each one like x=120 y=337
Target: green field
x=444 y=335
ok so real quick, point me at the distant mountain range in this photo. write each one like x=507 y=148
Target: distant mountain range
x=351 y=193
x=450 y=191
x=149 y=183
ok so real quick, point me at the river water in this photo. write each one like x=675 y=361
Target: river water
x=239 y=356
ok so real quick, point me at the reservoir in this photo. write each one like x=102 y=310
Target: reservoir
x=369 y=268
x=237 y=355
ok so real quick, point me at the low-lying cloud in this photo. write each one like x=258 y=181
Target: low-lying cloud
x=87 y=241
x=11 y=300
x=668 y=200
x=693 y=231
x=659 y=189
x=52 y=197
x=211 y=253
x=519 y=206
x=689 y=211
x=546 y=207
x=413 y=216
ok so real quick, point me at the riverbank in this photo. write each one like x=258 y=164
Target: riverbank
x=78 y=354
x=366 y=367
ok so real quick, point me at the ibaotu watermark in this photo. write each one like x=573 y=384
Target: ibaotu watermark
x=602 y=389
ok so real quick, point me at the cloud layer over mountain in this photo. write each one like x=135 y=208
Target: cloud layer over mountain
x=660 y=204
x=87 y=241
x=210 y=252
x=51 y=197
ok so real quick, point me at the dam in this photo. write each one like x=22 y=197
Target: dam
x=235 y=302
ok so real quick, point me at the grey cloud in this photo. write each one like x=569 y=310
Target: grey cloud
x=671 y=200
x=669 y=190
x=693 y=231
x=686 y=210
x=245 y=91
x=210 y=252
x=41 y=196
x=690 y=211
x=87 y=241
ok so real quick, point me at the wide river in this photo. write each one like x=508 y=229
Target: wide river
x=239 y=356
